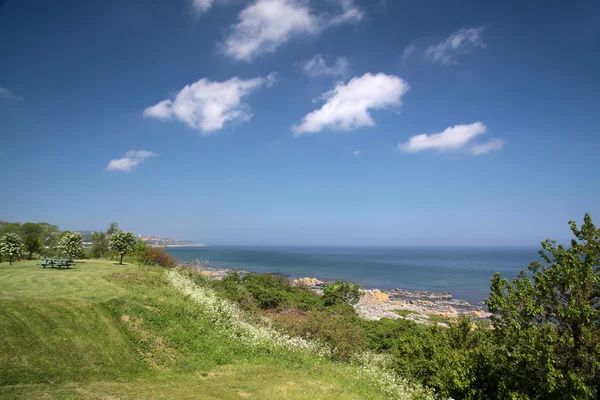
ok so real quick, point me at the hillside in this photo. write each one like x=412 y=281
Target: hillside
x=106 y=331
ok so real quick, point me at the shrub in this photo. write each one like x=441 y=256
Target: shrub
x=341 y=333
x=267 y=292
x=547 y=321
x=339 y=291
x=159 y=256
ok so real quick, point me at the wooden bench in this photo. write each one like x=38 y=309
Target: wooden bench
x=57 y=262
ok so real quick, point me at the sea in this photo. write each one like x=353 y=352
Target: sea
x=465 y=272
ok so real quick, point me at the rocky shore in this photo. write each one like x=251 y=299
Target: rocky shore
x=416 y=305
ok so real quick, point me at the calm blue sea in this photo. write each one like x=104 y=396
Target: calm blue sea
x=463 y=271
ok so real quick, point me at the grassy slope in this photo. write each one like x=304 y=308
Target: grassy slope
x=106 y=331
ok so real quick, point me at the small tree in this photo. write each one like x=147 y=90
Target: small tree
x=99 y=245
x=31 y=234
x=71 y=245
x=112 y=228
x=11 y=246
x=122 y=242
x=341 y=292
x=547 y=321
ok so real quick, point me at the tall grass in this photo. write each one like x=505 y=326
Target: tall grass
x=237 y=325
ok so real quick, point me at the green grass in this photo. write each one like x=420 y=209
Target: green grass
x=104 y=331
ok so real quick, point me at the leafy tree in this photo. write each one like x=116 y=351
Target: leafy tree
x=9 y=227
x=122 y=242
x=99 y=245
x=49 y=237
x=547 y=321
x=339 y=291
x=112 y=228
x=11 y=246
x=31 y=234
x=71 y=245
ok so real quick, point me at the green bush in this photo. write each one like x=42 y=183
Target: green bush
x=346 y=292
x=340 y=332
x=264 y=291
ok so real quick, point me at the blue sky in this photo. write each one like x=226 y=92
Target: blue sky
x=302 y=122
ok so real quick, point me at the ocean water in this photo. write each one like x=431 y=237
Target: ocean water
x=465 y=272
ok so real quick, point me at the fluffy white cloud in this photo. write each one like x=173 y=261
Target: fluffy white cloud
x=460 y=42
x=347 y=105
x=456 y=137
x=408 y=51
x=132 y=159
x=317 y=66
x=356 y=153
x=7 y=94
x=208 y=106
x=484 y=148
x=264 y=25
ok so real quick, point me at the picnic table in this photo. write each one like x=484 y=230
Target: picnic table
x=56 y=262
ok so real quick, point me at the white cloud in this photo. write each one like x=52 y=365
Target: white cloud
x=7 y=94
x=347 y=105
x=132 y=159
x=317 y=66
x=454 y=138
x=460 y=42
x=210 y=106
x=265 y=25
x=356 y=153
x=408 y=51
x=203 y=5
x=484 y=148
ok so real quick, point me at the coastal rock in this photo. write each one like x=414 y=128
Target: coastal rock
x=310 y=282
x=373 y=297
x=418 y=294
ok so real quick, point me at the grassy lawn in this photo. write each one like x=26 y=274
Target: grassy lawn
x=104 y=331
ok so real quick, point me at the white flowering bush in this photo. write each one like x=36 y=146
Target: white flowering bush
x=231 y=319
x=11 y=246
x=228 y=316
x=122 y=242
x=374 y=368
x=71 y=245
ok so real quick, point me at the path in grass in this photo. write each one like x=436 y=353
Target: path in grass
x=106 y=331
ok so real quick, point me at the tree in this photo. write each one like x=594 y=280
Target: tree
x=112 y=228
x=122 y=242
x=547 y=321
x=49 y=237
x=99 y=245
x=341 y=291
x=11 y=246
x=9 y=227
x=71 y=245
x=31 y=234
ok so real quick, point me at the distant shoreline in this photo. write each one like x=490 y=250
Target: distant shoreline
x=180 y=245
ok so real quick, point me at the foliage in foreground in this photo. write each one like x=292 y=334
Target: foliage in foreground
x=548 y=321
